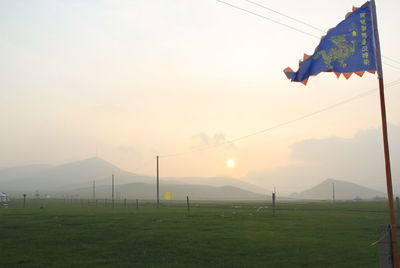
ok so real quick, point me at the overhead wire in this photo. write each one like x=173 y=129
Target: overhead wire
x=396 y=61
x=362 y=95
x=266 y=18
x=286 y=16
x=289 y=121
x=301 y=22
x=330 y=107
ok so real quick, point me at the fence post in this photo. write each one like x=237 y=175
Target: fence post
x=188 y=204
x=385 y=246
x=273 y=204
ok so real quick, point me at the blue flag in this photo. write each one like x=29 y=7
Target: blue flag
x=346 y=49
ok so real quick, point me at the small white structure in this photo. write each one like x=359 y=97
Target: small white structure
x=3 y=198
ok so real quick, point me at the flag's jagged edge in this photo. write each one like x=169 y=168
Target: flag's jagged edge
x=338 y=74
x=305 y=57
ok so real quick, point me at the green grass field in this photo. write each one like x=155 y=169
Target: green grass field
x=212 y=235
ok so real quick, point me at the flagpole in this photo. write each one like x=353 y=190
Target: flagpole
x=389 y=186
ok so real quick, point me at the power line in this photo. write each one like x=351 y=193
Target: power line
x=266 y=18
x=396 y=61
x=287 y=16
x=313 y=27
x=391 y=65
x=291 y=27
x=359 y=96
x=362 y=95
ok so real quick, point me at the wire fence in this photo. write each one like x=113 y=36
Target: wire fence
x=255 y=206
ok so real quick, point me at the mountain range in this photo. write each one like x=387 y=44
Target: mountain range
x=76 y=178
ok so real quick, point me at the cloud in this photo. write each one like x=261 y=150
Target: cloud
x=207 y=140
x=359 y=159
x=219 y=138
x=201 y=138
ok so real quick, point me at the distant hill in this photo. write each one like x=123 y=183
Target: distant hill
x=343 y=190
x=67 y=176
x=178 y=191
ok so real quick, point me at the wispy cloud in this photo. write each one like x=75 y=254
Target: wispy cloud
x=209 y=140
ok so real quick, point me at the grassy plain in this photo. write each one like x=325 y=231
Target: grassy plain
x=212 y=235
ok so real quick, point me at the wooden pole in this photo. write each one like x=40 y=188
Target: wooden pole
x=112 y=190
x=398 y=210
x=24 y=200
x=158 y=185
x=388 y=175
x=94 y=191
x=389 y=186
x=273 y=204
x=188 y=204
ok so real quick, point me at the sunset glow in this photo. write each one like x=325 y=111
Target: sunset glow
x=230 y=163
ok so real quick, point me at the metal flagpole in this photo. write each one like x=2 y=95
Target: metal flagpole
x=385 y=136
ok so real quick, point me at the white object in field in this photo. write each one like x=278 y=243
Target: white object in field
x=3 y=197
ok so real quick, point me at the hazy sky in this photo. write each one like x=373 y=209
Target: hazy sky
x=127 y=80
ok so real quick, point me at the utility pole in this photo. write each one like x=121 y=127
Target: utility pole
x=112 y=191
x=158 y=185
x=273 y=204
x=94 y=191
x=188 y=204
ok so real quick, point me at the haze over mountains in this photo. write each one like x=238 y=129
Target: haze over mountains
x=77 y=178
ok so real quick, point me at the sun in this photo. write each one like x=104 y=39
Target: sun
x=230 y=163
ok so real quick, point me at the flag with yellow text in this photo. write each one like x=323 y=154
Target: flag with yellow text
x=346 y=49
